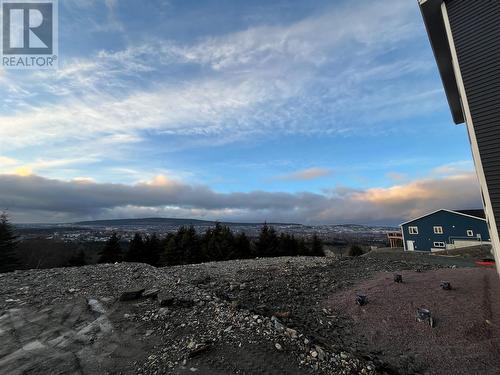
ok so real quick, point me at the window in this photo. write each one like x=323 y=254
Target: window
x=413 y=230
x=470 y=233
x=438 y=230
x=439 y=244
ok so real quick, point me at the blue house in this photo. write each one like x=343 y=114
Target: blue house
x=445 y=229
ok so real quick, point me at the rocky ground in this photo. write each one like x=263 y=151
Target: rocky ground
x=263 y=316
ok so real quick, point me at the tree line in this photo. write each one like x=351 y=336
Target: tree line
x=218 y=243
x=186 y=246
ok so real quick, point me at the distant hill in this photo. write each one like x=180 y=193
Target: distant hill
x=160 y=221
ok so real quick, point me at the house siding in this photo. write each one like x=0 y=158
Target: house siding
x=475 y=28
x=454 y=225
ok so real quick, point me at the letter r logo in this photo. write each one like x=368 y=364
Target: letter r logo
x=27 y=28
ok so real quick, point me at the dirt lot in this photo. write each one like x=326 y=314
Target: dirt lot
x=264 y=316
x=465 y=338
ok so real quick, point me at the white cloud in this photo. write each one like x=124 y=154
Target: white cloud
x=208 y=107
x=310 y=77
x=306 y=174
x=6 y=161
x=18 y=167
x=463 y=166
x=397 y=177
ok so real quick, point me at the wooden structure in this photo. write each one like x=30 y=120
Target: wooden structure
x=395 y=239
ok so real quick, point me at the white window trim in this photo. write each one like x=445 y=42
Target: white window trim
x=438 y=244
x=413 y=230
x=438 y=229
x=470 y=233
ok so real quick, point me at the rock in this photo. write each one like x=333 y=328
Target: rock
x=184 y=302
x=321 y=352
x=291 y=333
x=151 y=293
x=424 y=315
x=166 y=300
x=131 y=295
x=445 y=285
x=199 y=350
x=96 y=306
x=361 y=299
x=282 y=314
x=277 y=324
x=163 y=311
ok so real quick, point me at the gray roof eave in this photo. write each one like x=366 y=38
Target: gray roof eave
x=434 y=24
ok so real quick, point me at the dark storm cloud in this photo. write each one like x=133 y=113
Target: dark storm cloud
x=35 y=198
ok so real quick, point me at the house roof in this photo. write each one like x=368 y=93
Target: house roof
x=475 y=214
x=434 y=23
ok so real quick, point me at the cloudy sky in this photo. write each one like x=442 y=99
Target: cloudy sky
x=300 y=111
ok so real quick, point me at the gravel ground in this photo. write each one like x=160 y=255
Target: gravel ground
x=263 y=316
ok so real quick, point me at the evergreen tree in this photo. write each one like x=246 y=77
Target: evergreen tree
x=317 y=246
x=283 y=242
x=135 y=252
x=301 y=247
x=171 y=255
x=182 y=248
x=210 y=245
x=111 y=252
x=165 y=256
x=242 y=246
x=294 y=249
x=355 y=251
x=8 y=244
x=226 y=246
x=188 y=245
x=77 y=260
x=267 y=243
x=152 y=250
x=288 y=245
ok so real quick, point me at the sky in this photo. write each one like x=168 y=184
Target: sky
x=321 y=112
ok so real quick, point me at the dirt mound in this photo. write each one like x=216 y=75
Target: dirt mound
x=466 y=336
x=106 y=319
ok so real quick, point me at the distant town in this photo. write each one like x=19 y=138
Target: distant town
x=100 y=231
